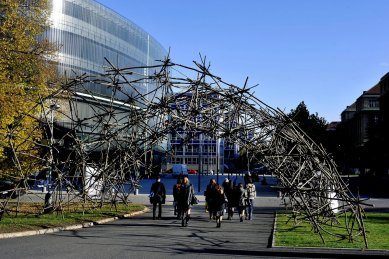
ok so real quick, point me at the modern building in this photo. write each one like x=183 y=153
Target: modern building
x=88 y=33
x=203 y=153
x=90 y=36
x=189 y=145
x=201 y=150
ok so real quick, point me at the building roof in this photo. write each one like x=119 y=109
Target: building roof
x=385 y=77
x=352 y=107
x=374 y=90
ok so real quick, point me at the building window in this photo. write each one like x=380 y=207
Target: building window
x=177 y=160
x=373 y=103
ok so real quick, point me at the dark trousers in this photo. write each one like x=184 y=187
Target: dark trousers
x=159 y=209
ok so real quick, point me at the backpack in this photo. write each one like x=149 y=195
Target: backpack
x=251 y=191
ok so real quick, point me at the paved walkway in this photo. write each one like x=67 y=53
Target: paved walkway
x=259 y=233
x=247 y=239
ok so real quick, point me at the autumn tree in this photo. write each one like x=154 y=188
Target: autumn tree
x=26 y=70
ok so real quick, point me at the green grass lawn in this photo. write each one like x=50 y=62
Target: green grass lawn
x=27 y=219
x=300 y=235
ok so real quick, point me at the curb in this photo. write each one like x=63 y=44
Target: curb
x=71 y=227
x=272 y=241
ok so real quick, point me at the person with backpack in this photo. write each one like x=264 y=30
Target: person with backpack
x=157 y=196
x=251 y=194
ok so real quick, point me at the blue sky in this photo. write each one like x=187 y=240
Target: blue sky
x=325 y=53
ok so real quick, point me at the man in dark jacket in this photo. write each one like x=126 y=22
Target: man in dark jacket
x=157 y=196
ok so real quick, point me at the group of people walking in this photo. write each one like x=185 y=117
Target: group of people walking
x=219 y=199
x=183 y=195
x=229 y=197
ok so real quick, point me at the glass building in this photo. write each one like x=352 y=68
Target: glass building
x=205 y=152
x=88 y=34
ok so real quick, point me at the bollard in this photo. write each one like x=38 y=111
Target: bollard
x=136 y=191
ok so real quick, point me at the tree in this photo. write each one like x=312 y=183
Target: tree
x=26 y=70
x=312 y=124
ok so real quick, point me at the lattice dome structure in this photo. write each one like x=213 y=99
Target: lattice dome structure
x=108 y=150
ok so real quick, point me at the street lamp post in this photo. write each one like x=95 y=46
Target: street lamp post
x=248 y=161
x=200 y=164
x=217 y=159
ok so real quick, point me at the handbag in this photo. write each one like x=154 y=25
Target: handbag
x=151 y=196
x=194 y=200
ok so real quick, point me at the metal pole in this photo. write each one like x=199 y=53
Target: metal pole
x=200 y=162
x=248 y=161
x=217 y=160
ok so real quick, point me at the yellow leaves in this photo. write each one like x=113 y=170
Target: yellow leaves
x=24 y=76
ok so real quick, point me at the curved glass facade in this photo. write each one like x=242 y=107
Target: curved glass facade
x=88 y=32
